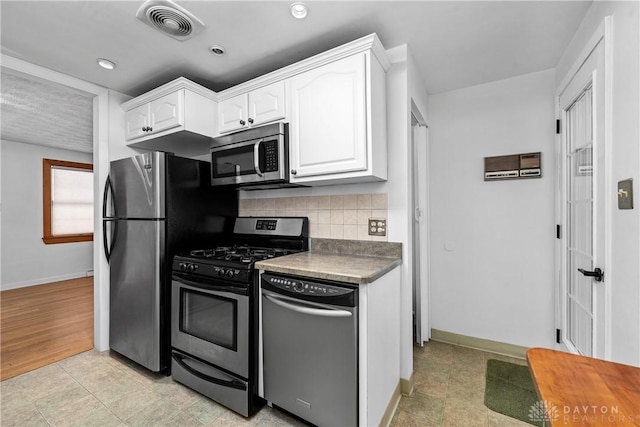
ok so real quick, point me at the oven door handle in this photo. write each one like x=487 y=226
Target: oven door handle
x=256 y=156
x=323 y=312
x=179 y=359
x=206 y=285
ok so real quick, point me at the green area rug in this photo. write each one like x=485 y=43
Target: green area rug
x=509 y=390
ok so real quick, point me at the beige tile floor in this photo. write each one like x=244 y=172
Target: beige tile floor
x=449 y=389
x=103 y=389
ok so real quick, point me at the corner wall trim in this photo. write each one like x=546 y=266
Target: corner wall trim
x=479 y=343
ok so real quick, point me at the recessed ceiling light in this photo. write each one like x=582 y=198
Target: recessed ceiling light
x=106 y=64
x=299 y=10
x=216 y=49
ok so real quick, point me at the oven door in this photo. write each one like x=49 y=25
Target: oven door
x=255 y=161
x=210 y=321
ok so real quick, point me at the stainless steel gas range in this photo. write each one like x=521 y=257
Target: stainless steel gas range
x=214 y=318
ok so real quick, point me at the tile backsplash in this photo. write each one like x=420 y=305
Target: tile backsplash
x=331 y=217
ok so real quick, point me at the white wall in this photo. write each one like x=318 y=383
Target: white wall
x=492 y=242
x=623 y=273
x=117 y=144
x=26 y=260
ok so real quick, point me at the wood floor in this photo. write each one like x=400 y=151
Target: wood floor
x=43 y=324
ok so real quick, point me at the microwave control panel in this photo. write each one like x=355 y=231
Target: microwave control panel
x=270 y=156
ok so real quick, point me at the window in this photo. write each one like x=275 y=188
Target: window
x=67 y=192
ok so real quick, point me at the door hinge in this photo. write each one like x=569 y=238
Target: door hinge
x=558 y=231
x=558 y=336
x=558 y=128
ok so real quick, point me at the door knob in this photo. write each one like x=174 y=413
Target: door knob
x=242 y=122
x=250 y=120
x=294 y=172
x=597 y=274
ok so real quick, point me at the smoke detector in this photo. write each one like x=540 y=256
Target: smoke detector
x=169 y=18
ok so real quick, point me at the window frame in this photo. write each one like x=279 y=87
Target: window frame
x=49 y=238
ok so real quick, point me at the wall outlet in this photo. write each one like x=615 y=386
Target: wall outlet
x=377 y=227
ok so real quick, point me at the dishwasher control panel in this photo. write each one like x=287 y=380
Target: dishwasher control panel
x=321 y=291
x=310 y=288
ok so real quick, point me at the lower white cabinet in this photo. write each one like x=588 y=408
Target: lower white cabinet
x=338 y=122
x=379 y=343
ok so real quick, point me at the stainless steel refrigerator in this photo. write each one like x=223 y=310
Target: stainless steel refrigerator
x=155 y=205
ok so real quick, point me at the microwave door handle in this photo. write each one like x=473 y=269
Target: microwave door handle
x=256 y=156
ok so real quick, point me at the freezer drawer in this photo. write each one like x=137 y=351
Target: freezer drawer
x=136 y=294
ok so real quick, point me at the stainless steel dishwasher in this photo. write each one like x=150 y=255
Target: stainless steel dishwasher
x=310 y=344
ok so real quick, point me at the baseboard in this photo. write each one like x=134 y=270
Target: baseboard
x=479 y=344
x=406 y=385
x=42 y=281
x=392 y=406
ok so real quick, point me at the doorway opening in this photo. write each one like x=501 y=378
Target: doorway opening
x=419 y=228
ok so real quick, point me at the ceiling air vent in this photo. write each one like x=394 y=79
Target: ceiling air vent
x=169 y=18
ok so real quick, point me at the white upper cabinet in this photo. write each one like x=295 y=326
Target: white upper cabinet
x=167 y=112
x=335 y=104
x=179 y=116
x=155 y=116
x=257 y=107
x=136 y=122
x=328 y=132
x=338 y=122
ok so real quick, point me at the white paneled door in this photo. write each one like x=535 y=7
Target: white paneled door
x=582 y=196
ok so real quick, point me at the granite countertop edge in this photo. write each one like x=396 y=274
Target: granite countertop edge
x=339 y=260
x=339 y=276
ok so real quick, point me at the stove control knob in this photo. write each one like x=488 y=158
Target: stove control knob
x=222 y=272
x=191 y=267
x=183 y=266
x=229 y=273
x=298 y=287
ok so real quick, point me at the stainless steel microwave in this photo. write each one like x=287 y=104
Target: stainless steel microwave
x=256 y=157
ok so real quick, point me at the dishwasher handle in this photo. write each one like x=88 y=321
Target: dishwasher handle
x=323 y=312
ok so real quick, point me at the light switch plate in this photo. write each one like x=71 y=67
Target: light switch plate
x=377 y=227
x=625 y=194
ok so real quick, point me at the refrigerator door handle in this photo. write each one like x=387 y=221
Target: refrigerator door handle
x=108 y=189
x=108 y=248
x=105 y=200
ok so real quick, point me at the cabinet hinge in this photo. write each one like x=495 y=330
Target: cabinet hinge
x=558 y=127
x=558 y=336
x=558 y=231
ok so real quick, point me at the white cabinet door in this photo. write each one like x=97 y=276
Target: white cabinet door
x=263 y=105
x=266 y=104
x=328 y=133
x=232 y=114
x=136 y=121
x=167 y=112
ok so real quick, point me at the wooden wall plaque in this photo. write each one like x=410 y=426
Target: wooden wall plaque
x=514 y=166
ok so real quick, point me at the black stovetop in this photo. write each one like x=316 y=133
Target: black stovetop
x=255 y=239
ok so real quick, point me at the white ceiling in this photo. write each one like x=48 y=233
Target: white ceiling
x=40 y=112
x=455 y=43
